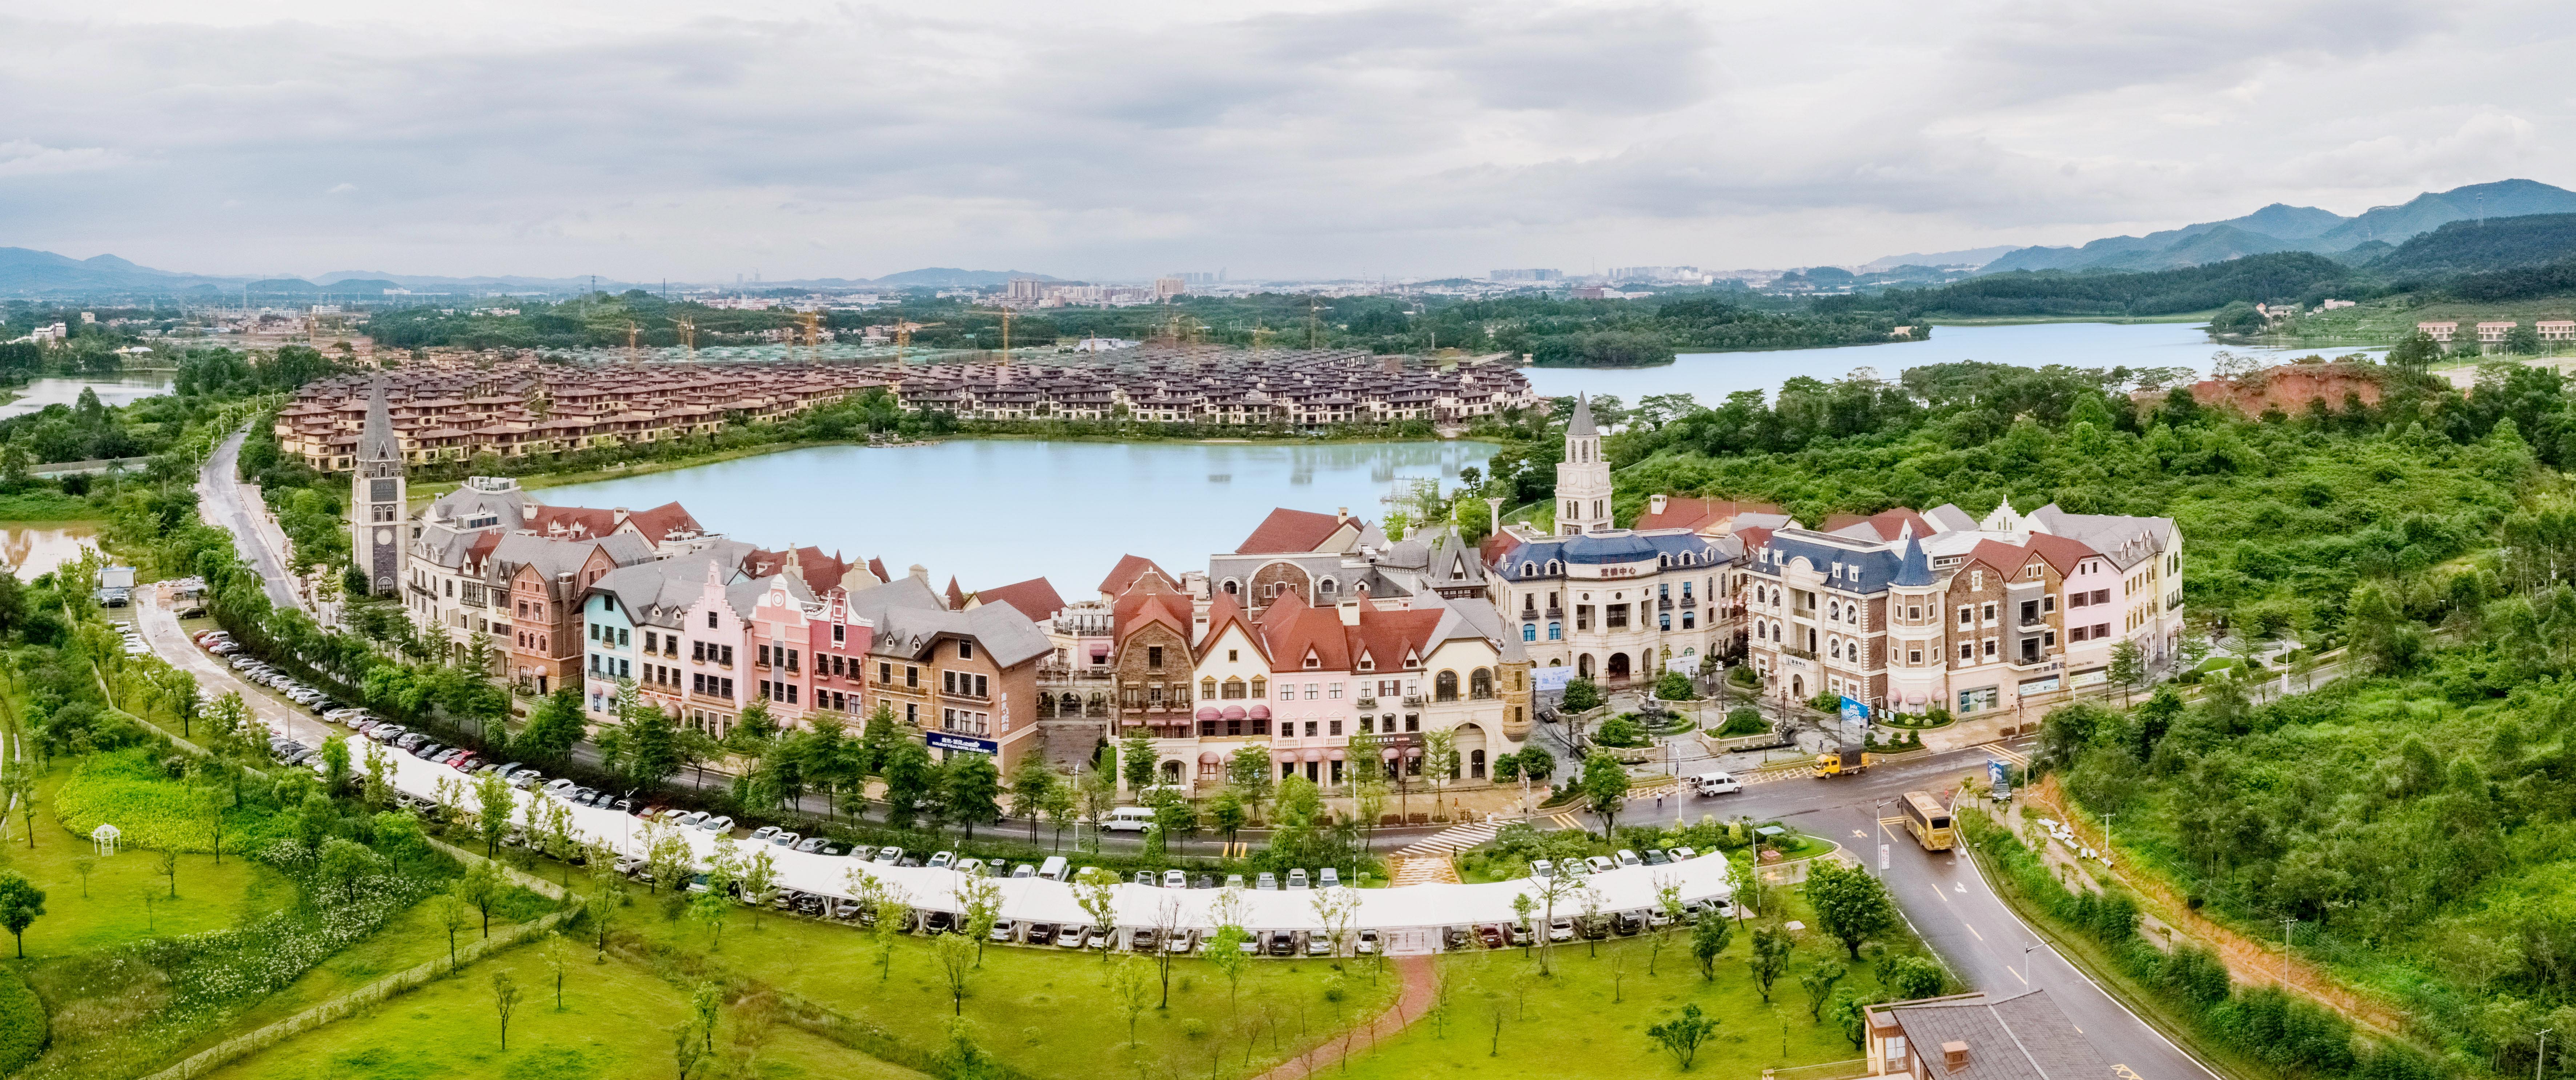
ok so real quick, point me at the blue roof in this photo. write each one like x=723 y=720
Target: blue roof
x=1530 y=560
x=1863 y=571
x=1914 y=568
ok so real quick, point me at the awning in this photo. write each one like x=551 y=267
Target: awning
x=1390 y=753
x=1336 y=753
x=1207 y=757
x=1208 y=712
x=1261 y=712
x=1282 y=757
x=1311 y=755
x=1232 y=712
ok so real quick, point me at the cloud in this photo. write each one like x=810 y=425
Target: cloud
x=1113 y=141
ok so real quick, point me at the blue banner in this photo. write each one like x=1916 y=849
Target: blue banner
x=941 y=740
x=1853 y=709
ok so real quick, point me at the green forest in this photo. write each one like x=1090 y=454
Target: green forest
x=2413 y=817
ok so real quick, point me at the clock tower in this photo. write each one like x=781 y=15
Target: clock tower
x=376 y=506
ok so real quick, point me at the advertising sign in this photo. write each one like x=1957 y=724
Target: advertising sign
x=941 y=740
x=1854 y=711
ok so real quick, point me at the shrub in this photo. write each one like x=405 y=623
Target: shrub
x=1744 y=676
x=1744 y=721
x=22 y=1023
x=1620 y=731
x=1675 y=686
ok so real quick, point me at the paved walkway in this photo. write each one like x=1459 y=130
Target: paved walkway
x=1412 y=1005
x=1403 y=870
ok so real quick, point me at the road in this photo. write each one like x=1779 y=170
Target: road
x=1944 y=896
x=224 y=503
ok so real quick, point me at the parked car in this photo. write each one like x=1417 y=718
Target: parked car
x=1491 y=934
x=1267 y=882
x=1234 y=881
x=939 y=922
x=941 y=860
x=833 y=848
x=560 y=786
x=1328 y=878
x=1297 y=878
x=719 y=824
x=688 y=819
x=410 y=740
x=1629 y=858
x=785 y=839
x=1542 y=869
x=1368 y=943
x=762 y=834
x=1561 y=929
x=1599 y=864
x=527 y=778
x=1681 y=853
x=1003 y=930
x=1175 y=879
x=1041 y=933
x=1182 y=942
x=889 y=855
x=845 y=910
x=1024 y=870
x=1141 y=939
x=1283 y=943
x=810 y=844
x=1072 y=937
x=1629 y=923
x=629 y=864
x=1656 y=857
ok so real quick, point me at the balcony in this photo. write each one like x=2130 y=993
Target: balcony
x=1663 y=603
x=1367 y=703
x=1412 y=700
x=1795 y=651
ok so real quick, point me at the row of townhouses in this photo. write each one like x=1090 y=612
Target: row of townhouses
x=1318 y=638
x=519 y=408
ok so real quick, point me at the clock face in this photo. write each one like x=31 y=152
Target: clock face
x=384 y=536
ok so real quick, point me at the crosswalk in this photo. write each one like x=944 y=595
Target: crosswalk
x=1457 y=837
x=2014 y=756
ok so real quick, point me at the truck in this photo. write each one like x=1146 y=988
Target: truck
x=1844 y=761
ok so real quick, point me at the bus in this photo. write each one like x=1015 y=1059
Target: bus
x=1929 y=821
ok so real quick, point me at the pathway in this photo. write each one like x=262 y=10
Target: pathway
x=1420 y=988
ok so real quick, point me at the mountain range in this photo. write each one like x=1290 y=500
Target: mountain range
x=24 y=271
x=2281 y=227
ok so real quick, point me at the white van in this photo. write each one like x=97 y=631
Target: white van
x=1055 y=868
x=1130 y=819
x=1716 y=783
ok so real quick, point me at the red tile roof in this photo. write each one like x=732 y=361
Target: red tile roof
x=1130 y=568
x=1290 y=630
x=1223 y=612
x=1034 y=598
x=1887 y=524
x=1288 y=530
x=1698 y=514
x=2061 y=552
x=1150 y=601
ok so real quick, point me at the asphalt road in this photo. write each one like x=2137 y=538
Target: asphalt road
x=223 y=503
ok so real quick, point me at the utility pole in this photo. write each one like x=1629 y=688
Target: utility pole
x=2106 y=837
x=2543 y=1059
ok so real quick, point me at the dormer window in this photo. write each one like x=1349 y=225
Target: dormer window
x=1367 y=663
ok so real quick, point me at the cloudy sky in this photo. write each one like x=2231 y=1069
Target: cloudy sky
x=646 y=139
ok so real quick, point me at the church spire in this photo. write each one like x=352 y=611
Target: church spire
x=376 y=441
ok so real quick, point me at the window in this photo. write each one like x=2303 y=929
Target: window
x=1260 y=687
x=1664 y=620
x=911 y=676
x=1233 y=655
x=1154 y=656
x=711 y=620
x=1233 y=690
x=1967 y=652
x=1967 y=617
x=1529 y=631
x=885 y=672
x=1333 y=691
x=1914 y=656
x=1207 y=689
x=1556 y=631
x=840 y=634
x=1480 y=684
x=1988 y=614
x=623 y=637
x=1990 y=648
x=1444 y=686
x=965 y=650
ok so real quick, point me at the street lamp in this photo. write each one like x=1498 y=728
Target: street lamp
x=2025 y=961
x=1879 y=815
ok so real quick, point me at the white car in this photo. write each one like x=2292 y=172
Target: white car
x=718 y=824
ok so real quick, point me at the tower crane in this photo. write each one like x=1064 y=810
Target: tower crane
x=688 y=335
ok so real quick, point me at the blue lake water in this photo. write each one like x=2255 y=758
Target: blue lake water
x=996 y=511
x=1711 y=376
x=122 y=390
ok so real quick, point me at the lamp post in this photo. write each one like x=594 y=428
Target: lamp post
x=2286 y=923
x=1879 y=815
x=2025 y=962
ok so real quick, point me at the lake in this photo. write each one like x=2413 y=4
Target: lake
x=1711 y=376
x=996 y=511
x=123 y=390
x=33 y=550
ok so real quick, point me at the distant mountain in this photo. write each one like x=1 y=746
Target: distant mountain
x=949 y=277
x=2480 y=246
x=2281 y=227
x=23 y=270
x=1969 y=257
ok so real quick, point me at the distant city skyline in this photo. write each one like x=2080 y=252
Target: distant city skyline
x=1309 y=141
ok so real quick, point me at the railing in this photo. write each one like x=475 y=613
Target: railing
x=1412 y=699
x=1367 y=703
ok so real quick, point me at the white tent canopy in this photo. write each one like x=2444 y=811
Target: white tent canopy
x=1041 y=900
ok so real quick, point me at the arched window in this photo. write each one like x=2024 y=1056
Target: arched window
x=1444 y=686
x=1836 y=648
x=1686 y=558
x=1232 y=589
x=1480 y=684
x=1529 y=569
x=1554 y=567
x=1325 y=586
x=1556 y=631
x=1475 y=764
x=1207 y=689
x=1260 y=687
x=1663 y=561
x=1529 y=631
x=1172 y=773
x=1833 y=612
x=1070 y=704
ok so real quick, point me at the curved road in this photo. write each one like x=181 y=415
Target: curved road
x=226 y=504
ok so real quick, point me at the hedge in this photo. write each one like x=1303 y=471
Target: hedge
x=23 y=1025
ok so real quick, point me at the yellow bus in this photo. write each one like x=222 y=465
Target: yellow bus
x=1929 y=821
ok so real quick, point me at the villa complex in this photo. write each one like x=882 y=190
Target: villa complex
x=520 y=408
x=1319 y=639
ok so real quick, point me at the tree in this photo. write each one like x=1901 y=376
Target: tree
x=910 y=782
x=1818 y=981
x=1912 y=977
x=558 y=955
x=1675 y=686
x=2128 y=667
x=1227 y=816
x=1059 y=806
x=335 y=764
x=493 y=803
x=480 y=888
x=1709 y=939
x=505 y=1000
x=1682 y=1035
x=956 y=955
x=979 y=907
x=759 y=881
x=651 y=739
x=1097 y=891
x=1605 y=789
x=2417 y=350
x=555 y=726
x=1031 y=784
x=167 y=861
x=1668 y=900
x=1132 y=987
x=1851 y=906
x=1770 y=959
x=1582 y=695
x=21 y=903
x=1225 y=947
x=972 y=790
x=1136 y=762
x=449 y=910
x=1249 y=770
x=667 y=857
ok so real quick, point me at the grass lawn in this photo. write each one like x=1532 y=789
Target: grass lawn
x=211 y=896
x=1589 y=1019
x=618 y=1022
x=47 y=506
x=1042 y=1011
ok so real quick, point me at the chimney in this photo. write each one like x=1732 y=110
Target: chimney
x=1350 y=612
x=920 y=573
x=1954 y=1055
x=1341 y=514
x=1655 y=504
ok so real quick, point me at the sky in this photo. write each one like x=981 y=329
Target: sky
x=648 y=140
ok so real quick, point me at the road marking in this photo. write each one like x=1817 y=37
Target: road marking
x=1862 y=833
x=1960 y=888
x=1972 y=928
x=2017 y=975
x=1936 y=894
x=1454 y=838
x=1565 y=821
x=2015 y=757
x=1891 y=821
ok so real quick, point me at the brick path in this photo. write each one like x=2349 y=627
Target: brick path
x=1409 y=1006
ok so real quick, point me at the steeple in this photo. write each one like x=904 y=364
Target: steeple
x=1583 y=478
x=376 y=441
x=1581 y=425
x=1914 y=569
x=378 y=506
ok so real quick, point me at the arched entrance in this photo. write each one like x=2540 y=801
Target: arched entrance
x=1471 y=750
x=1798 y=687
x=1618 y=669
x=1583 y=666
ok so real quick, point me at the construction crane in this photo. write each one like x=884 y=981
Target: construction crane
x=688 y=336
x=903 y=336
x=1313 y=330
x=631 y=334
x=1006 y=338
x=813 y=321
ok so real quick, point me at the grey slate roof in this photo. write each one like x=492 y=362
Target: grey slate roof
x=1914 y=568
x=376 y=441
x=1580 y=426
x=1528 y=562
x=1865 y=569
x=1008 y=638
x=2024 y=1037
x=555 y=557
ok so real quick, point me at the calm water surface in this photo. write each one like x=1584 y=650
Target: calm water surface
x=1711 y=376
x=122 y=390
x=34 y=550
x=997 y=511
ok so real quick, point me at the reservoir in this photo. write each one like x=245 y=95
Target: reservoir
x=996 y=511
x=1711 y=376
x=122 y=390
